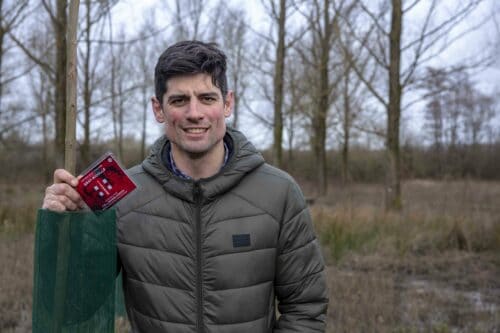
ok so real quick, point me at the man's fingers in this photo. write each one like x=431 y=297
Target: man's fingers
x=62 y=195
x=67 y=202
x=53 y=205
x=63 y=189
x=59 y=203
x=57 y=195
x=63 y=176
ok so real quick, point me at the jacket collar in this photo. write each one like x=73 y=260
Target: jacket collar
x=243 y=160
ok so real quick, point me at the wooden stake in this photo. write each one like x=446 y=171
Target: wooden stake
x=63 y=246
x=71 y=89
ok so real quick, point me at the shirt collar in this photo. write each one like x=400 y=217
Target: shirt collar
x=168 y=159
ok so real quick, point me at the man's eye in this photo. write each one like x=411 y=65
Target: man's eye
x=177 y=101
x=208 y=99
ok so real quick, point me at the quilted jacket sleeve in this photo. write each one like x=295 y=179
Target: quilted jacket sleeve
x=300 y=281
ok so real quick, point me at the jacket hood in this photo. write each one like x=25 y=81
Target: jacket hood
x=244 y=159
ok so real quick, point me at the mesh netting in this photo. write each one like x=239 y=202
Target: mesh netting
x=74 y=273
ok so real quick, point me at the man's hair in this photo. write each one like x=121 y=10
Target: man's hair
x=190 y=57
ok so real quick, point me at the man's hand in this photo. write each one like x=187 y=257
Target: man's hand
x=62 y=195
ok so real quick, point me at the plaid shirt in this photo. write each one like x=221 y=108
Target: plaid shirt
x=170 y=163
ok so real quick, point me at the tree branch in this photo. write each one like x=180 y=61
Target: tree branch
x=45 y=66
x=447 y=25
x=374 y=18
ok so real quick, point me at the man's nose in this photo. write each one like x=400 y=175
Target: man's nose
x=194 y=109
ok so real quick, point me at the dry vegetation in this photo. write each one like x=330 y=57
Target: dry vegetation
x=433 y=268
x=16 y=281
x=18 y=206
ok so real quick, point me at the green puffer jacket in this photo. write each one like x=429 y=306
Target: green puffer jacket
x=212 y=255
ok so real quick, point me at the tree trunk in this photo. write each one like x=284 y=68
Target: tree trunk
x=114 y=109
x=85 y=149
x=47 y=175
x=2 y=38
x=393 y=178
x=347 y=130
x=291 y=137
x=278 y=88
x=320 y=135
x=60 y=27
x=236 y=111
x=121 y=112
x=320 y=115
x=144 y=118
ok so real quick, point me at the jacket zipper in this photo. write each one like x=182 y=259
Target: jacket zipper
x=199 y=264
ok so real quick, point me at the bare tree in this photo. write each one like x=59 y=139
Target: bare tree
x=41 y=88
x=54 y=63
x=12 y=14
x=323 y=36
x=123 y=84
x=187 y=18
x=277 y=10
x=296 y=101
x=429 y=42
x=231 y=31
x=143 y=53
x=436 y=89
x=393 y=178
x=351 y=107
x=87 y=92
x=457 y=100
x=273 y=66
x=56 y=69
x=60 y=25
x=322 y=18
x=95 y=12
x=116 y=98
x=10 y=18
x=481 y=116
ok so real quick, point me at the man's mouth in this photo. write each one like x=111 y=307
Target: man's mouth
x=195 y=130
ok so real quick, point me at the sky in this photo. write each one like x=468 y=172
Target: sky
x=130 y=14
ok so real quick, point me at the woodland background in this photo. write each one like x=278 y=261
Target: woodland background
x=386 y=112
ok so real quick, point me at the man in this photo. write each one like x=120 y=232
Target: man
x=213 y=235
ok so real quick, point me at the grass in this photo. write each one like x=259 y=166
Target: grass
x=18 y=208
x=456 y=291
x=16 y=282
x=395 y=235
x=436 y=218
x=433 y=267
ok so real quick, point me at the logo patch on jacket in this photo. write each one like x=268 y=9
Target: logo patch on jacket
x=241 y=240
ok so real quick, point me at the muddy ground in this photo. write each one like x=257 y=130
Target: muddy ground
x=453 y=292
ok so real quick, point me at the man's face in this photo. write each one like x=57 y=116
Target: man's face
x=194 y=113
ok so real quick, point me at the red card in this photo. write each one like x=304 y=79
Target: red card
x=104 y=183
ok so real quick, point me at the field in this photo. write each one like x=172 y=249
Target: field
x=434 y=267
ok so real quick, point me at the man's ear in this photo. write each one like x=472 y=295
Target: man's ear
x=157 y=110
x=228 y=104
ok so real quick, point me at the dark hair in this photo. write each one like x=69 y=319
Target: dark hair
x=190 y=57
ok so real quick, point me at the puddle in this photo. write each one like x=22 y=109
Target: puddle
x=462 y=311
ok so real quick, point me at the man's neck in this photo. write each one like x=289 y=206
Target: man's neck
x=199 y=166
